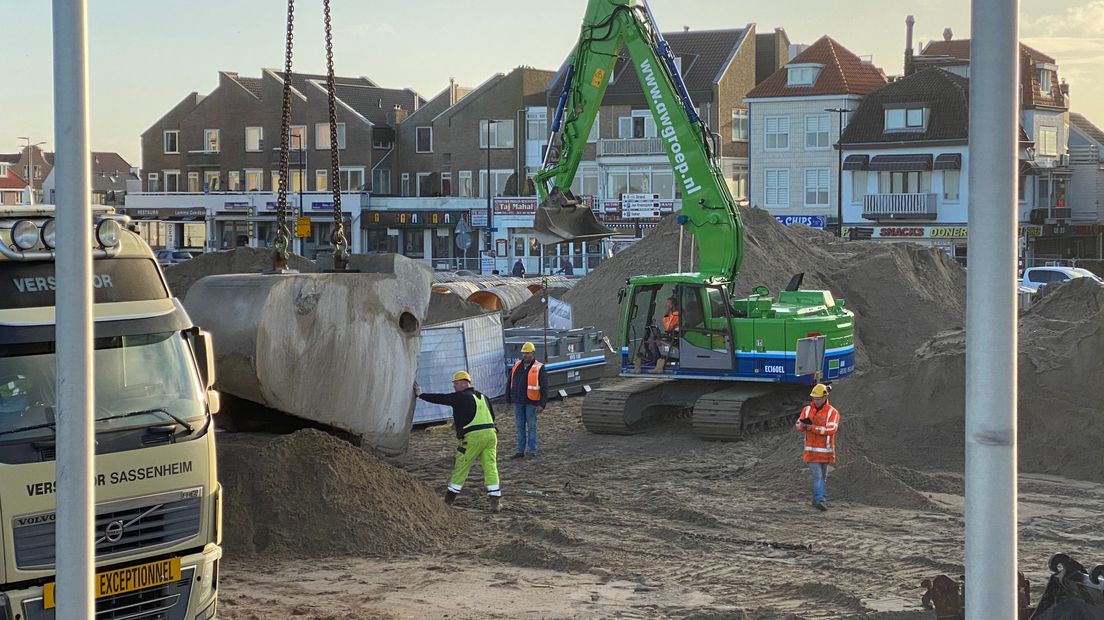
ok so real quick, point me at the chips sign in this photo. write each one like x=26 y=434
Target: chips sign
x=812 y=221
x=303 y=227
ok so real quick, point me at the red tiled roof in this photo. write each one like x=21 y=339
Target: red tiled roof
x=844 y=73
x=1033 y=95
x=960 y=48
x=12 y=180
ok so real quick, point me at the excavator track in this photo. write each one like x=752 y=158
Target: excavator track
x=738 y=412
x=637 y=405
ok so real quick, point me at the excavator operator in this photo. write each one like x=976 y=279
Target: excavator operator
x=664 y=346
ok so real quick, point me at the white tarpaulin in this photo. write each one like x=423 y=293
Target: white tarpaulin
x=559 y=314
x=474 y=344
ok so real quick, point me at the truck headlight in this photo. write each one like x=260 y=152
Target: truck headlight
x=49 y=230
x=208 y=613
x=24 y=234
x=5 y=609
x=107 y=233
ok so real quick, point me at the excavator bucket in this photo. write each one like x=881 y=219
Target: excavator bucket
x=562 y=217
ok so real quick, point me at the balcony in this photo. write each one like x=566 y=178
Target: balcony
x=201 y=159
x=900 y=206
x=631 y=146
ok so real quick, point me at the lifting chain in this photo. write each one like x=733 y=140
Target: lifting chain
x=282 y=242
x=337 y=239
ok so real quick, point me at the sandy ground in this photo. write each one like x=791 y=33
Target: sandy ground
x=661 y=525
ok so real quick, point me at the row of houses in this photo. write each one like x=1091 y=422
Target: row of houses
x=816 y=134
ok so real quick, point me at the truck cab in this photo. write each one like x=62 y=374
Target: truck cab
x=157 y=499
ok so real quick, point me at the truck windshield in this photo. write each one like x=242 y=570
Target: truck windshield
x=150 y=373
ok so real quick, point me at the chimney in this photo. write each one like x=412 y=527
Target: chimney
x=909 y=22
x=452 y=91
x=397 y=115
x=947 y=34
x=686 y=28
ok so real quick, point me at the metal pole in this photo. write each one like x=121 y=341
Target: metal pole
x=487 y=185
x=991 y=365
x=75 y=390
x=839 y=180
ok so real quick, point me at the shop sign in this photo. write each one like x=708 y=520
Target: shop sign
x=500 y=247
x=900 y=232
x=812 y=221
x=955 y=232
x=1031 y=230
x=479 y=218
x=512 y=206
x=235 y=206
x=410 y=219
x=322 y=206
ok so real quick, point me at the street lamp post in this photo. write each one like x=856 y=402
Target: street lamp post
x=490 y=209
x=839 y=170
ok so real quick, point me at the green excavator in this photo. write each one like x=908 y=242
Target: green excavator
x=739 y=364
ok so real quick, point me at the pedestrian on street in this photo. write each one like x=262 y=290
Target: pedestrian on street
x=519 y=269
x=473 y=419
x=819 y=420
x=527 y=389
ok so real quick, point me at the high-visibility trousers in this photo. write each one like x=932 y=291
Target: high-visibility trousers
x=481 y=445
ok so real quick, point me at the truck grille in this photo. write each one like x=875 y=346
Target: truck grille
x=167 y=602
x=144 y=523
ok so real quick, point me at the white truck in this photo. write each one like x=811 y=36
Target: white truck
x=1034 y=277
x=158 y=502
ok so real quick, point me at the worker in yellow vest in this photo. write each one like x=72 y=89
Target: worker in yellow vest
x=527 y=389
x=473 y=418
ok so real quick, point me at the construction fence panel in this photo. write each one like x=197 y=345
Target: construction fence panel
x=442 y=354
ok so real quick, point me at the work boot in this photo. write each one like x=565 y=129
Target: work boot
x=659 y=366
x=496 y=503
x=518 y=455
x=821 y=506
x=636 y=366
x=450 y=497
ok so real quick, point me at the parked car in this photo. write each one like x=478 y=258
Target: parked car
x=172 y=257
x=1034 y=277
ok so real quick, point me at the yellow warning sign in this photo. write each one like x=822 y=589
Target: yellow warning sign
x=596 y=81
x=303 y=227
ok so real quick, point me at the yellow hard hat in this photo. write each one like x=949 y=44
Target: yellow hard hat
x=819 y=391
x=462 y=376
x=528 y=347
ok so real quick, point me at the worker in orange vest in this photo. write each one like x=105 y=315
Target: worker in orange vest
x=819 y=420
x=527 y=389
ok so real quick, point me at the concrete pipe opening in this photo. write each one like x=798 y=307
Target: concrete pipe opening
x=408 y=323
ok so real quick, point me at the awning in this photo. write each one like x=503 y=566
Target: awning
x=856 y=162
x=1028 y=168
x=901 y=163
x=948 y=161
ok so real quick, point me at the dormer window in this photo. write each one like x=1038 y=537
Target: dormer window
x=906 y=119
x=1043 y=72
x=802 y=75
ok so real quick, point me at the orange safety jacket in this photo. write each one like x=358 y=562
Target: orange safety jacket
x=820 y=439
x=532 y=388
x=671 y=321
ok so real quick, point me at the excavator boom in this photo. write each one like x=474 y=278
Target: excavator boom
x=707 y=206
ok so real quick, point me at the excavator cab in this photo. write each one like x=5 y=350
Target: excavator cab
x=563 y=217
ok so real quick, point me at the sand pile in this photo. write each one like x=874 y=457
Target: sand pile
x=445 y=307
x=311 y=495
x=182 y=276
x=914 y=415
x=902 y=294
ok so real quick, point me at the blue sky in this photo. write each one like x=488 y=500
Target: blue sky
x=146 y=55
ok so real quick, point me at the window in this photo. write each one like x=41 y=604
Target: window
x=172 y=142
x=153 y=182
x=595 y=131
x=295 y=181
x=585 y=182
x=739 y=125
x=498 y=180
x=802 y=76
x=905 y=119
x=322 y=135
x=233 y=181
x=1021 y=188
x=297 y=137
x=352 y=178
x=536 y=124
x=193 y=182
x=951 y=180
x=322 y=180
x=421 y=183
x=1048 y=141
x=858 y=186
x=817 y=129
x=816 y=187
x=464 y=190
x=904 y=182
x=740 y=181
x=381 y=180
x=446 y=183
x=423 y=139
x=502 y=134
x=1044 y=80
x=211 y=140
x=382 y=139
x=777 y=132
x=37 y=172
x=172 y=180
x=254 y=139
x=777 y=187
x=405 y=184
x=640 y=124
x=254 y=180
x=211 y=180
